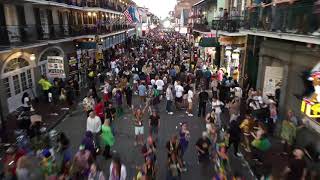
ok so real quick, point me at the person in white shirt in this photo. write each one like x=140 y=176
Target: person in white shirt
x=26 y=104
x=113 y=66
x=88 y=103
x=216 y=106
x=189 y=99
x=169 y=97
x=237 y=92
x=160 y=84
x=152 y=82
x=179 y=93
x=94 y=126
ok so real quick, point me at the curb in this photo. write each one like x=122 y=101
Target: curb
x=64 y=115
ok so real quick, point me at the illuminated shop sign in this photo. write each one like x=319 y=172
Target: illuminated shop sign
x=311 y=106
x=310 y=109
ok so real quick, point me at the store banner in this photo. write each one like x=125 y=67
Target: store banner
x=273 y=76
x=55 y=67
x=73 y=66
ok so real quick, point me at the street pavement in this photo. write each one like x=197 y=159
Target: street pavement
x=74 y=125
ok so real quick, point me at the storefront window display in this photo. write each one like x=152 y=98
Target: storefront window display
x=232 y=60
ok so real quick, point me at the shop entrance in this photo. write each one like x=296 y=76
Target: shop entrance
x=18 y=78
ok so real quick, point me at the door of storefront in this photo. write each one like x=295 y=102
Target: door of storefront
x=17 y=78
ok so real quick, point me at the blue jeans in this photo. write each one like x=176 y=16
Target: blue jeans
x=169 y=106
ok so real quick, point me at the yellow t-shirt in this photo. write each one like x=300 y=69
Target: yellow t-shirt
x=45 y=84
x=235 y=75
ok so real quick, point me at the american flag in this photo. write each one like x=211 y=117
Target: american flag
x=128 y=15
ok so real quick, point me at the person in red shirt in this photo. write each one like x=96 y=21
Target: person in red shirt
x=99 y=110
x=10 y=161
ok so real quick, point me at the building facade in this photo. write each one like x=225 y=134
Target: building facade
x=33 y=30
x=278 y=47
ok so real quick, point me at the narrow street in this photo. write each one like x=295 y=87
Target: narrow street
x=74 y=127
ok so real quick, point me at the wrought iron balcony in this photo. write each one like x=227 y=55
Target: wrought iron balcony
x=297 y=18
x=300 y=19
x=20 y=35
x=105 y=4
x=223 y=24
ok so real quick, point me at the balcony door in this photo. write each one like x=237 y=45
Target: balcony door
x=4 y=39
x=23 y=29
x=17 y=78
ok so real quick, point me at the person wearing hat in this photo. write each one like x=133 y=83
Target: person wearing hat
x=203 y=147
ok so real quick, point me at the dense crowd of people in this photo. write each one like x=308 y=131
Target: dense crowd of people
x=154 y=72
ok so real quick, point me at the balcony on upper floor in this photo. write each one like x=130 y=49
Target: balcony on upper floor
x=228 y=25
x=299 y=23
x=12 y=36
x=104 y=4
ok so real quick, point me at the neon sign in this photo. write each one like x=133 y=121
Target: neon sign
x=310 y=109
x=311 y=106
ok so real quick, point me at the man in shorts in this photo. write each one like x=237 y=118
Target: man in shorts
x=179 y=93
x=138 y=126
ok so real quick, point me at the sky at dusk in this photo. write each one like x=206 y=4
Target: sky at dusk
x=160 y=8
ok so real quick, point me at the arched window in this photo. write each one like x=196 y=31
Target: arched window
x=15 y=64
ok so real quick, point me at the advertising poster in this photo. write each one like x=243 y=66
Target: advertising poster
x=273 y=75
x=55 y=67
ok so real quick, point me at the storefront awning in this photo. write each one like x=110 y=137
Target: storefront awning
x=208 y=42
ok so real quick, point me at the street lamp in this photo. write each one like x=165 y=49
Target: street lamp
x=32 y=57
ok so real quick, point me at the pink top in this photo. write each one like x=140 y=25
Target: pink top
x=220 y=75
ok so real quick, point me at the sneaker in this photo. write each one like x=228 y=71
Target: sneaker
x=239 y=154
x=190 y=115
x=247 y=149
x=187 y=112
x=171 y=113
x=184 y=169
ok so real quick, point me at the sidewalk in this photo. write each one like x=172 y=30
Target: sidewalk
x=50 y=113
x=274 y=162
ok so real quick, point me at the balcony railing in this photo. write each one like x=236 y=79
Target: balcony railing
x=295 y=18
x=87 y=3
x=292 y=19
x=201 y=27
x=34 y=33
x=230 y=25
